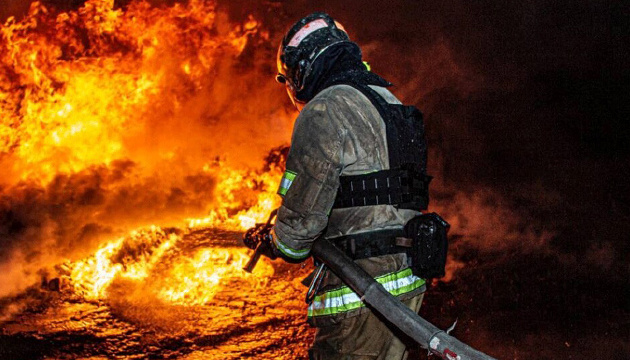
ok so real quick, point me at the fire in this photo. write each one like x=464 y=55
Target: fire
x=187 y=279
x=132 y=258
x=78 y=89
x=139 y=104
x=195 y=281
x=232 y=183
x=155 y=260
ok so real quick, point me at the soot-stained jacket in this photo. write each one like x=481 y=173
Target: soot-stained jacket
x=339 y=132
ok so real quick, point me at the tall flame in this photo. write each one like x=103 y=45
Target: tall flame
x=120 y=116
x=87 y=87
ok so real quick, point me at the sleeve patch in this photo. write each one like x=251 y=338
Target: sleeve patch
x=286 y=182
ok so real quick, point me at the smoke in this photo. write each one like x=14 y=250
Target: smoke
x=515 y=84
x=526 y=107
x=45 y=225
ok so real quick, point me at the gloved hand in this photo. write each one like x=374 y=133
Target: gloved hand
x=259 y=237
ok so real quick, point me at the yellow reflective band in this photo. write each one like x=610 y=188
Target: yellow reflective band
x=367 y=66
x=344 y=299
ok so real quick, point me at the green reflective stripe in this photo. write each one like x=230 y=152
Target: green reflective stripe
x=344 y=290
x=285 y=183
x=288 y=251
x=335 y=310
x=344 y=299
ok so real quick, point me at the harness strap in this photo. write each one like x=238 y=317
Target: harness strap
x=373 y=243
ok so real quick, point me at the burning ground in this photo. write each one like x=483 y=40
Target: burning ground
x=139 y=139
x=162 y=294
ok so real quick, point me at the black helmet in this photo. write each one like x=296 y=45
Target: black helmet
x=301 y=47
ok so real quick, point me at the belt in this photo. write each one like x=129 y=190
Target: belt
x=373 y=243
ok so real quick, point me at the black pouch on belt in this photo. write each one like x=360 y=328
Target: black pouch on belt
x=428 y=253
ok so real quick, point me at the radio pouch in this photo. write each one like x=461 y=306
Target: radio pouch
x=430 y=245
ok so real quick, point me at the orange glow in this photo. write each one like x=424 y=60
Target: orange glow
x=150 y=257
x=82 y=88
x=87 y=90
x=230 y=186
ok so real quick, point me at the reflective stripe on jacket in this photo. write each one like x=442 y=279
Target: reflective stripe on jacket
x=343 y=299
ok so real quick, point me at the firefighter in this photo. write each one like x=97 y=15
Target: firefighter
x=352 y=143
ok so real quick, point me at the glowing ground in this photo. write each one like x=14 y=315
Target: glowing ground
x=501 y=304
x=266 y=322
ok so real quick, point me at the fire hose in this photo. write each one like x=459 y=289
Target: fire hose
x=429 y=336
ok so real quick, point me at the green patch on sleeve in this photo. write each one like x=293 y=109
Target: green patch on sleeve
x=286 y=182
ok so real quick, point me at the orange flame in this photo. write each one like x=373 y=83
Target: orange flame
x=144 y=257
x=195 y=281
x=231 y=183
x=92 y=87
x=80 y=88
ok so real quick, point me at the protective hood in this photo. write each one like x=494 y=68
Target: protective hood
x=339 y=63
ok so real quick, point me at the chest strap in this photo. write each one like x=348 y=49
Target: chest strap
x=402 y=187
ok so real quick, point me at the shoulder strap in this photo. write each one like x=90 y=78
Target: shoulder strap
x=399 y=128
x=405 y=184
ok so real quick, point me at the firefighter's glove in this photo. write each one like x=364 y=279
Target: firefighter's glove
x=259 y=238
x=269 y=250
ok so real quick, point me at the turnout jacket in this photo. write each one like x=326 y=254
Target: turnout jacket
x=339 y=132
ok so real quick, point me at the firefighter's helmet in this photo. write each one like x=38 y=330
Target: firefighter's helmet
x=301 y=47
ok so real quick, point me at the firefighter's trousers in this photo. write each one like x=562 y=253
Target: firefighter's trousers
x=361 y=337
